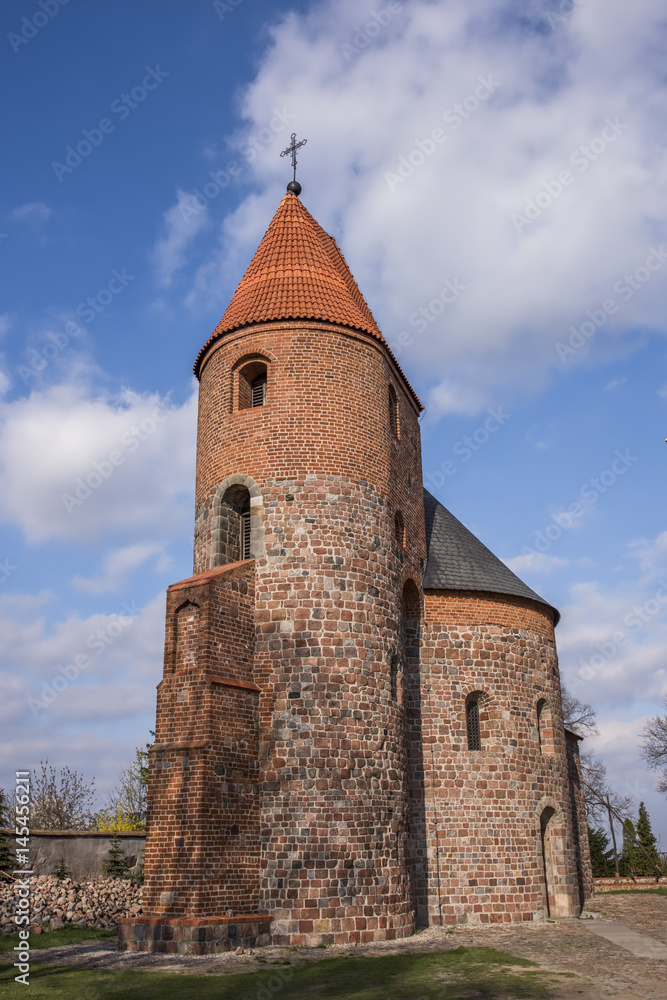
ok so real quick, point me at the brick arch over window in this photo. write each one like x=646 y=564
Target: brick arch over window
x=235 y=497
x=250 y=382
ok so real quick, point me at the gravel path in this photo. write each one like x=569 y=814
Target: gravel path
x=601 y=969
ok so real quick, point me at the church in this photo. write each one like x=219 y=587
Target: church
x=359 y=727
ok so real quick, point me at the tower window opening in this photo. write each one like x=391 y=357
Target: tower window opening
x=245 y=535
x=394 y=668
x=540 y=720
x=399 y=528
x=252 y=385
x=472 y=723
x=231 y=530
x=394 y=423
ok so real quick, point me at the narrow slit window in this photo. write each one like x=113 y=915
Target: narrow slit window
x=399 y=528
x=472 y=721
x=540 y=721
x=393 y=412
x=245 y=535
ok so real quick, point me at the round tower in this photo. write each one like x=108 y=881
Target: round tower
x=308 y=463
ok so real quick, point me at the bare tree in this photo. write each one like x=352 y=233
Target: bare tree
x=603 y=804
x=654 y=747
x=578 y=716
x=60 y=801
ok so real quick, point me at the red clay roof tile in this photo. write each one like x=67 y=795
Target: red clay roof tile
x=298 y=272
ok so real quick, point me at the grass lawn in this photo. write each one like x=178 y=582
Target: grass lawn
x=54 y=939
x=466 y=972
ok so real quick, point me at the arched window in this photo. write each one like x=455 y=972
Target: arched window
x=394 y=423
x=233 y=526
x=399 y=529
x=252 y=385
x=472 y=722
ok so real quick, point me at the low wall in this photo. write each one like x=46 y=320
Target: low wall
x=101 y=902
x=84 y=851
x=639 y=882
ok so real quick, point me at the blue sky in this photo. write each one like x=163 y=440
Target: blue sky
x=495 y=175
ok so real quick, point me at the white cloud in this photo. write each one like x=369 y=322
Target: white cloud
x=535 y=562
x=71 y=689
x=77 y=467
x=35 y=212
x=651 y=555
x=182 y=222
x=611 y=643
x=452 y=217
x=119 y=564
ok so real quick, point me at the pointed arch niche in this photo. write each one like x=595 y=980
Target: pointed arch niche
x=237 y=531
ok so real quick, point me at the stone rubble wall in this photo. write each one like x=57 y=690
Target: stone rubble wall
x=94 y=903
x=639 y=882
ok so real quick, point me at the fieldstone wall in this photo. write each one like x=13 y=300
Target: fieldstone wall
x=95 y=903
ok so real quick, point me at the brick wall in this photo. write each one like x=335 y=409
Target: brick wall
x=483 y=809
x=203 y=777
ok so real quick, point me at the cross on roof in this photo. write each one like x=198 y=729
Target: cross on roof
x=292 y=148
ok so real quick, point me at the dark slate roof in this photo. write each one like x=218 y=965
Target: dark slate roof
x=459 y=561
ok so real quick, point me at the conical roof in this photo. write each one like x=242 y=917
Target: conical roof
x=457 y=560
x=298 y=272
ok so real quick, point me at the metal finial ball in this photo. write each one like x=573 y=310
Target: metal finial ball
x=294 y=188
